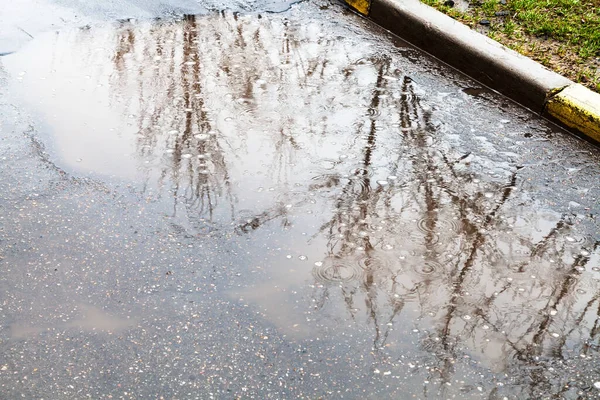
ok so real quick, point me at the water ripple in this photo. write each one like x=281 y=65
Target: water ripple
x=335 y=270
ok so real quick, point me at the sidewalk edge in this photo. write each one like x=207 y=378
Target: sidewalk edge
x=518 y=77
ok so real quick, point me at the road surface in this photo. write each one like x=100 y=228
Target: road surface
x=278 y=200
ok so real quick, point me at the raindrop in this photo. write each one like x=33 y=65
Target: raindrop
x=427 y=268
x=382 y=183
x=319 y=264
x=302 y=258
x=372 y=112
x=187 y=155
x=486 y=327
x=375 y=263
x=392 y=178
x=596 y=269
x=362 y=172
x=466 y=317
x=436 y=225
x=553 y=312
x=554 y=334
x=597 y=385
x=289 y=256
x=336 y=270
x=488 y=195
x=582 y=240
x=202 y=136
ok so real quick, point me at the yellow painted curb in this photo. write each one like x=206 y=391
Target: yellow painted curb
x=577 y=107
x=362 y=6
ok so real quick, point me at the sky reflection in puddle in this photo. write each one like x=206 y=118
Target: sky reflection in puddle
x=354 y=172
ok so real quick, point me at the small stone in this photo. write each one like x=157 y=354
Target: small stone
x=484 y=22
x=597 y=385
x=501 y=13
x=449 y=3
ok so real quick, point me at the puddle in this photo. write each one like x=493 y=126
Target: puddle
x=361 y=186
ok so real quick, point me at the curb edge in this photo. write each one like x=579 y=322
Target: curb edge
x=527 y=82
x=578 y=108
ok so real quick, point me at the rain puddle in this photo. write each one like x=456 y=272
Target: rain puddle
x=363 y=195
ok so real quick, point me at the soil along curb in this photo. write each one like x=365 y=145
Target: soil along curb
x=496 y=66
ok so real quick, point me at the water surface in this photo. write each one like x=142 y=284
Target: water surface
x=288 y=205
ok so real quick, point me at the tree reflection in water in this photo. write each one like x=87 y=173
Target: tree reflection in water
x=414 y=220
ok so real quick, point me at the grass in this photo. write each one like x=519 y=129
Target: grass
x=563 y=35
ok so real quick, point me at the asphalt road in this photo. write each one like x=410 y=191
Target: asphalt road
x=276 y=200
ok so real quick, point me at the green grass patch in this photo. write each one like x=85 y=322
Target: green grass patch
x=561 y=34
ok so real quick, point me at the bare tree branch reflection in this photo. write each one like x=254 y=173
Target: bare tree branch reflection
x=411 y=221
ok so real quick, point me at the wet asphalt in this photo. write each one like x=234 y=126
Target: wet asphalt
x=278 y=200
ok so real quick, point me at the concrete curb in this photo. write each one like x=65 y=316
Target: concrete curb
x=494 y=65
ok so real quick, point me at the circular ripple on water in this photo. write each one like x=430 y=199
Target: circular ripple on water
x=577 y=240
x=406 y=233
x=337 y=270
x=361 y=172
x=427 y=268
x=361 y=184
x=374 y=112
x=375 y=262
x=437 y=225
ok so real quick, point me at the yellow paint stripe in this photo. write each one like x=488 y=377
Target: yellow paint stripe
x=362 y=6
x=577 y=107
